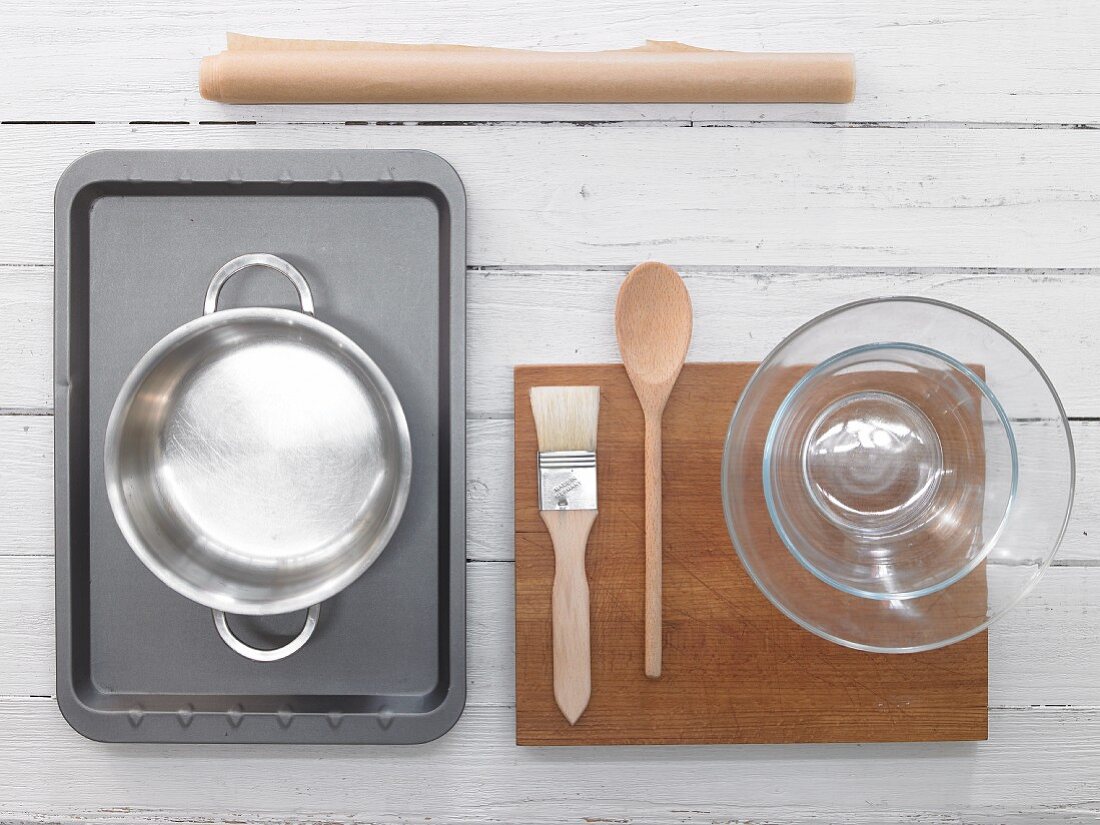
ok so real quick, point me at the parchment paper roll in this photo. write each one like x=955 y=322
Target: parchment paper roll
x=266 y=70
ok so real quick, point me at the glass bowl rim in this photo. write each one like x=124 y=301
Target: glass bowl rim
x=774 y=354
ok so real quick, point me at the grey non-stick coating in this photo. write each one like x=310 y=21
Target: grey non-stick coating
x=381 y=235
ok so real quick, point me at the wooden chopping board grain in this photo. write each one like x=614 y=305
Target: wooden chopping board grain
x=735 y=669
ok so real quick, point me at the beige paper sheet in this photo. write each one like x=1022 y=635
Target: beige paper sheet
x=270 y=70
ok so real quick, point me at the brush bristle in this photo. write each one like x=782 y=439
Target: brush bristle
x=566 y=417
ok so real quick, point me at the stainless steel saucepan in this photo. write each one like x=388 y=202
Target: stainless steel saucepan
x=257 y=460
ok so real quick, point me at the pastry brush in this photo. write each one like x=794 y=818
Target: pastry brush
x=565 y=423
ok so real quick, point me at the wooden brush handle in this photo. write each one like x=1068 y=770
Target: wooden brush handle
x=569 y=531
x=653 y=546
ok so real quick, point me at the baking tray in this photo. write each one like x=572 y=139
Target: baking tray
x=380 y=236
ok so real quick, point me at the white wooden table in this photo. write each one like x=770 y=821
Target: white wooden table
x=967 y=169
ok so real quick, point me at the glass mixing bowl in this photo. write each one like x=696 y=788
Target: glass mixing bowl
x=898 y=473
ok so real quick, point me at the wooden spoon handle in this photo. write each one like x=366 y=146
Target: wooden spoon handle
x=653 y=546
x=569 y=531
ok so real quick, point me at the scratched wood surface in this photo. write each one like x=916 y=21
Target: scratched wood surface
x=966 y=169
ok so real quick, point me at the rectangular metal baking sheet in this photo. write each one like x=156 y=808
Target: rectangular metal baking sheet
x=380 y=237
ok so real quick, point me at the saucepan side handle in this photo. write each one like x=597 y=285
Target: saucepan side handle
x=259 y=654
x=258 y=259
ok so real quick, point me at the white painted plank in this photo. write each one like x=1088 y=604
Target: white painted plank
x=956 y=60
x=491 y=634
x=26 y=482
x=571 y=196
x=1040 y=766
x=567 y=318
x=489 y=491
x=1036 y=652
x=530 y=317
x=26 y=337
x=26 y=626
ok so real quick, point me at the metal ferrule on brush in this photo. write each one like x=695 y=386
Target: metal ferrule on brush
x=567 y=480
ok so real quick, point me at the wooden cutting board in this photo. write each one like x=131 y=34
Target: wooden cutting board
x=735 y=669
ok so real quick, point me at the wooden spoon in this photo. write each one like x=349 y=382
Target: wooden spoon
x=653 y=325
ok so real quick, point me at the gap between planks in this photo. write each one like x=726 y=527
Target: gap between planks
x=1001 y=708
x=754 y=271
x=655 y=123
